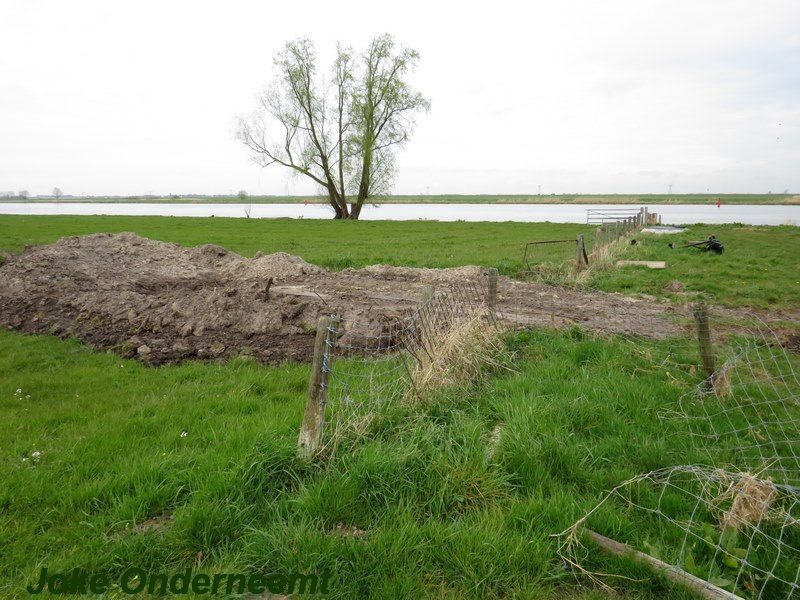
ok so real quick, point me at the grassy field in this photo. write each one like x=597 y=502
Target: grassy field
x=466 y=199
x=106 y=463
x=414 y=510
x=758 y=268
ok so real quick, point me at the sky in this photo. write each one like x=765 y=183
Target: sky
x=125 y=98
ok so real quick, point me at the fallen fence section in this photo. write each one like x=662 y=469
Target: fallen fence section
x=538 y=255
x=734 y=524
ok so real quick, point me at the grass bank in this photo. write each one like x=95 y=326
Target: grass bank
x=758 y=268
x=106 y=463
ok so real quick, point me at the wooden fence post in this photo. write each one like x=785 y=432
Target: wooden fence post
x=582 y=259
x=491 y=298
x=700 y=311
x=314 y=418
x=428 y=292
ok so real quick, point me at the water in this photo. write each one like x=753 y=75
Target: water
x=677 y=214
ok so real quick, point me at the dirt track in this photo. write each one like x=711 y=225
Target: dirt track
x=164 y=302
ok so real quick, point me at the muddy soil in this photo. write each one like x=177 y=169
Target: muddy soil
x=164 y=303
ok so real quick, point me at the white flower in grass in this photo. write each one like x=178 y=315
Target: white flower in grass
x=18 y=392
x=184 y=434
x=35 y=454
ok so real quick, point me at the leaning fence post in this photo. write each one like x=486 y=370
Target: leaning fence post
x=314 y=418
x=700 y=311
x=582 y=260
x=491 y=297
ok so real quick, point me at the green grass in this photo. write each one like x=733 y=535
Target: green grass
x=466 y=199
x=439 y=519
x=332 y=244
x=758 y=268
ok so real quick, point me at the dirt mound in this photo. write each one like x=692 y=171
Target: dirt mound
x=278 y=265
x=164 y=302
x=161 y=301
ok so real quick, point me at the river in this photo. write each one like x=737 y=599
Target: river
x=678 y=214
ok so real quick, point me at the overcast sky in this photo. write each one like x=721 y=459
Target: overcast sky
x=576 y=97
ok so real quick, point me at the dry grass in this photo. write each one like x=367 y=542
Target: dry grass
x=750 y=498
x=457 y=352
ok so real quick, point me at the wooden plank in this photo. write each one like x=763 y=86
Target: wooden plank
x=650 y=264
x=701 y=587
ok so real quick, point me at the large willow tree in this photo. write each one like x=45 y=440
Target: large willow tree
x=341 y=129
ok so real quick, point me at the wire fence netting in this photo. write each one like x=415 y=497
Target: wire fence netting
x=373 y=364
x=732 y=522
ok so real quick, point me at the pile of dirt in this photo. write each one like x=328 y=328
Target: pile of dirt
x=164 y=302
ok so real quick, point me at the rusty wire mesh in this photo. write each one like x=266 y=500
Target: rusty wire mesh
x=372 y=364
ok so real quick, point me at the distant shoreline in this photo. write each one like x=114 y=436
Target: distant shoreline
x=638 y=199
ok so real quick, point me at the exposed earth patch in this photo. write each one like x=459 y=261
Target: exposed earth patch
x=163 y=302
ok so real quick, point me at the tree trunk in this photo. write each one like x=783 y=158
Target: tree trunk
x=338 y=203
x=355 y=210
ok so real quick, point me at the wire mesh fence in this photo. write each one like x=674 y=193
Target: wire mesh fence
x=542 y=256
x=734 y=525
x=367 y=366
x=749 y=413
x=735 y=531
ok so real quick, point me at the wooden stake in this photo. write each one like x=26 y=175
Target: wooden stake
x=582 y=258
x=428 y=292
x=491 y=297
x=701 y=587
x=314 y=418
x=700 y=311
x=598 y=240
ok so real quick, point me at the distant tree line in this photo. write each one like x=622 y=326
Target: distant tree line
x=20 y=195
